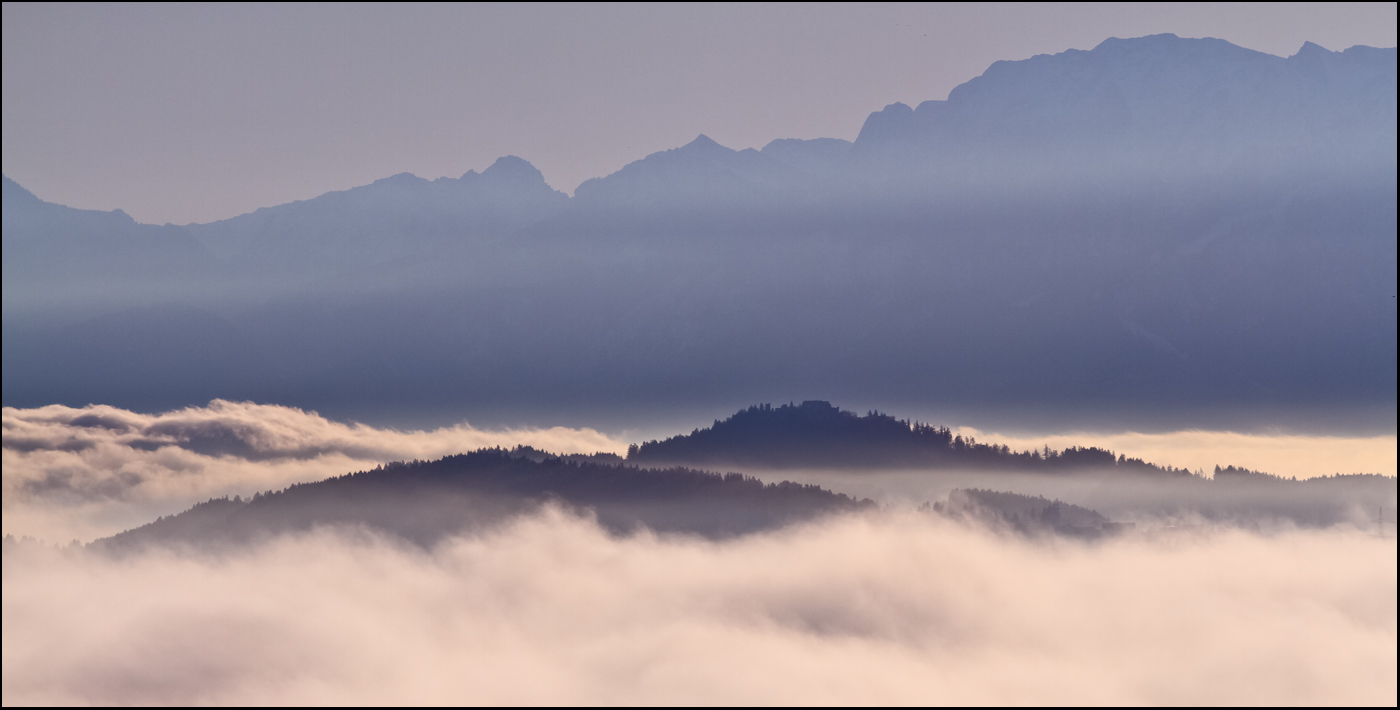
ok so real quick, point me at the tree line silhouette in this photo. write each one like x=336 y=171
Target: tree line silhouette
x=423 y=501
x=816 y=434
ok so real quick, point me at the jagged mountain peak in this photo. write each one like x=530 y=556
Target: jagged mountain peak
x=388 y=219
x=506 y=169
x=1310 y=48
x=1177 y=96
x=704 y=142
x=399 y=180
x=513 y=169
x=1170 y=44
x=638 y=180
x=884 y=121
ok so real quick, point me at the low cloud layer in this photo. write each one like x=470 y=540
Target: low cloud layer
x=873 y=609
x=92 y=471
x=1281 y=455
x=82 y=473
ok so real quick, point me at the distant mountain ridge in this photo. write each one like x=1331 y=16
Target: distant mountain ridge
x=1197 y=94
x=1170 y=225
x=54 y=245
x=398 y=217
x=1159 y=89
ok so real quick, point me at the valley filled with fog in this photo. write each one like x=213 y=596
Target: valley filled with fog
x=883 y=608
x=1105 y=345
x=516 y=575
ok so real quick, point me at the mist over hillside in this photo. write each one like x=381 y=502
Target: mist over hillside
x=660 y=488
x=91 y=472
x=1158 y=233
x=426 y=502
x=893 y=460
x=1074 y=384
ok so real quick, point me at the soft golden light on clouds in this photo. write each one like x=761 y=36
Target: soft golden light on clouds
x=1299 y=456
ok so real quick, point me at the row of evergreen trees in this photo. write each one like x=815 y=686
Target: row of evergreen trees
x=817 y=434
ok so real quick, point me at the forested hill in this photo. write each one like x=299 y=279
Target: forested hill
x=423 y=501
x=816 y=434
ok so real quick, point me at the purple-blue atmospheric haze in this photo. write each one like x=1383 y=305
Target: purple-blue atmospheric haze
x=1160 y=232
x=1050 y=352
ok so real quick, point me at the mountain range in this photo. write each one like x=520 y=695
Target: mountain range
x=1180 y=231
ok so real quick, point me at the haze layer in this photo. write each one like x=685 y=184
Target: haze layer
x=1158 y=233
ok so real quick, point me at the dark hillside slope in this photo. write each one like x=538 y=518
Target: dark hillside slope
x=424 y=501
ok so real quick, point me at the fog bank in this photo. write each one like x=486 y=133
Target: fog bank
x=83 y=473
x=891 y=608
x=87 y=472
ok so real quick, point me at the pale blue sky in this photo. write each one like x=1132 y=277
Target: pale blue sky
x=198 y=112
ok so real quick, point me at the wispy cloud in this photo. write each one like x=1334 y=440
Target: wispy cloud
x=84 y=472
x=882 y=608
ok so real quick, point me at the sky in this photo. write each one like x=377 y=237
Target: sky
x=193 y=113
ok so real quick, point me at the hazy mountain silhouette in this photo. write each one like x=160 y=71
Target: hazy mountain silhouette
x=1159 y=108
x=51 y=252
x=423 y=501
x=396 y=221
x=703 y=188
x=1177 y=228
x=1185 y=99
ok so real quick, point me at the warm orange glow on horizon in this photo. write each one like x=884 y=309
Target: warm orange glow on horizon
x=1282 y=455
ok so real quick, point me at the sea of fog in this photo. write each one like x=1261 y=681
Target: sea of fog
x=885 y=607
x=890 y=605
x=80 y=473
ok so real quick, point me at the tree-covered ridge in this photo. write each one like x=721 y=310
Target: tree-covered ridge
x=1023 y=513
x=816 y=434
x=423 y=501
x=1234 y=474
